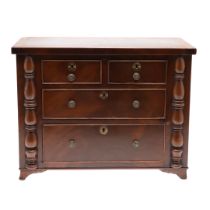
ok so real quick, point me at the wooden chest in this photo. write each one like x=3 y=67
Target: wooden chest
x=103 y=103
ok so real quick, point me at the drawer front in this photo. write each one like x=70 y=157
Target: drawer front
x=138 y=72
x=71 y=72
x=66 y=143
x=83 y=104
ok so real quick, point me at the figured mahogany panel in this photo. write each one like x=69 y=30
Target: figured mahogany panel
x=121 y=103
x=149 y=71
x=71 y=72
x=83 y=143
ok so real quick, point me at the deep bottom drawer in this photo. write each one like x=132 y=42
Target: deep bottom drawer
x=83 y=143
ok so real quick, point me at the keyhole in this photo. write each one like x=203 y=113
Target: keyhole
x=72 y=67
x=103 y=130
x=136 y=66
x=104 y=95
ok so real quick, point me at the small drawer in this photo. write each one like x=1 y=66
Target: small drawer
x=71 y=72
x=93 y=142
x=104 y=103
x=138 y=72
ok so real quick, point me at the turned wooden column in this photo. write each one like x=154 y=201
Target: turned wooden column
x=30 y=119
x=178 y=104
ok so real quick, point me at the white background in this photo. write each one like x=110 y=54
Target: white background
x=106 y=189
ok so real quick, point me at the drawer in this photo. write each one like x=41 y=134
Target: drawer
x=100 y=103
x=138 y=72
x=71 y=72
x=66 y=143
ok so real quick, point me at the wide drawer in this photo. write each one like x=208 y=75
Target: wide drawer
x=69 y=143
x=71 y=72
x=138 y=72
x=110 y=103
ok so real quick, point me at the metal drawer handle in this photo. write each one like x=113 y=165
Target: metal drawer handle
x=136 y=104
x=72 y=67
x=104 y=95
x=136 y=66
x=135 y=143
x=71 y=77
x=72 y=143
x=72 y=104
x=136 y=76
x=103 y=130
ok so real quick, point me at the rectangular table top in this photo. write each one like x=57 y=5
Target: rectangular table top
x=100 y=45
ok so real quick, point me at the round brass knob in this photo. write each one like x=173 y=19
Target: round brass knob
x=72 y=143
x=136 y=66
x=71 y=77
x=136 y=76
x=72 y=67
x=135 y=143
x=136 y=104
x=72 y=104
x=104 y=95
x=103 y=130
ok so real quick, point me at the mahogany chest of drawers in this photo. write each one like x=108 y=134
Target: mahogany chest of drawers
x=103 y=103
